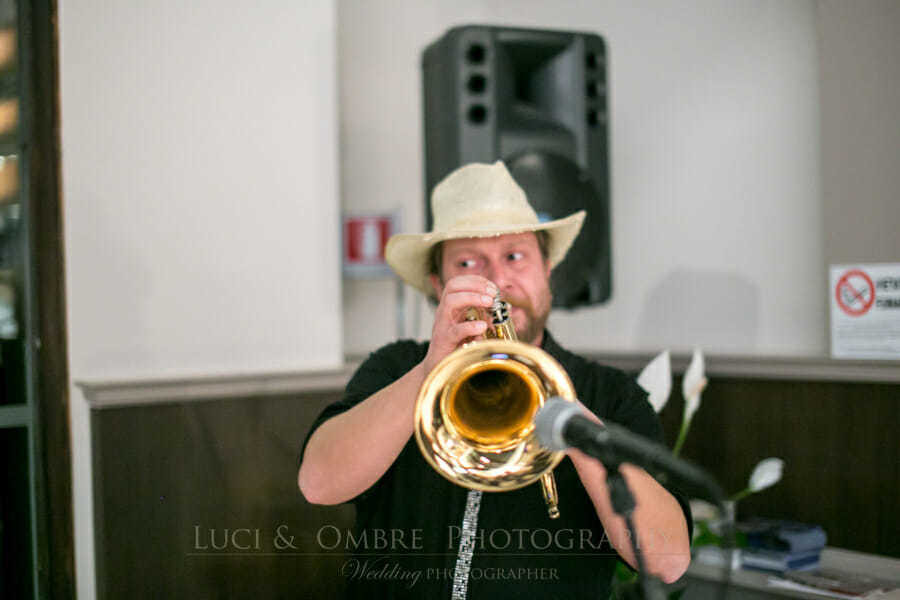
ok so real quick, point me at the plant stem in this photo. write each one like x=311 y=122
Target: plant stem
x=741 y=495
x=682 y=435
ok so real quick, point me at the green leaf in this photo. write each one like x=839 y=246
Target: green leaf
x=623 y=573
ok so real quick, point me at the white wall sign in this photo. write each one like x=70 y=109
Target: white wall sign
x=865 y=311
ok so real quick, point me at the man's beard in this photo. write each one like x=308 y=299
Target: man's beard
x=532 y=329
x=534 y=324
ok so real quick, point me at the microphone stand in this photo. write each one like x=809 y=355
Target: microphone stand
x=623 y=504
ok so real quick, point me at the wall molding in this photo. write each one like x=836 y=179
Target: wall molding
x=769 y=368
x=101 y=393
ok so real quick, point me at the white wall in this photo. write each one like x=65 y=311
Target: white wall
x=200 y=192
x=859 y=50
x=716 y=208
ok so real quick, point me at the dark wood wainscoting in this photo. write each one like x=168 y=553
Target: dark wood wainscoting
x=190 y=499
x=840 y=443
x=190 y=496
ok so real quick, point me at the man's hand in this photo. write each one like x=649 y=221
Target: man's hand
x=451 y=329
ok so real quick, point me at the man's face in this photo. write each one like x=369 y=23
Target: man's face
x=515 y=264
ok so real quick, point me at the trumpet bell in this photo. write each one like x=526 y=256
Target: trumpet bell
x=474 y=415
x=491 y=404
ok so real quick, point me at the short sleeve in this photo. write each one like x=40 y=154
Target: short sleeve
x=631 y=408
x=382 y=368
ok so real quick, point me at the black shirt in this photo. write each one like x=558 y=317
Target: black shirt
x=408 y=523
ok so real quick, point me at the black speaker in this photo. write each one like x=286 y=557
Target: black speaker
x=536 y=99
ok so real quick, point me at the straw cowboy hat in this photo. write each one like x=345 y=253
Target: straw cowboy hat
x=474 y=201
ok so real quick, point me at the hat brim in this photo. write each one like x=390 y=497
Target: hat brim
x=409 y=253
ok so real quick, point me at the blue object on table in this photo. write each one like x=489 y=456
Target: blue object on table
x=783 y=536
x=779 y=562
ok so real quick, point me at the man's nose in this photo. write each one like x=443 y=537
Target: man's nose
x=498 y=274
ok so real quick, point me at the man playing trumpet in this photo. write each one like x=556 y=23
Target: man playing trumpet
x=486 y=241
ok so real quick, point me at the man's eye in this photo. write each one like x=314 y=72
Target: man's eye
x=513 y=256
x=467 y=263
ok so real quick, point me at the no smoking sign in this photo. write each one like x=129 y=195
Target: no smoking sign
x=865 y=311
x=855 y=292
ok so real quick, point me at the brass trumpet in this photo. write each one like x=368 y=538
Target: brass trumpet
x=474 y=414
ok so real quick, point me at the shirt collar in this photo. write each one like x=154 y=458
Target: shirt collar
x=549 y=345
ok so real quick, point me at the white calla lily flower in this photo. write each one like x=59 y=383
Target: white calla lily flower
x=693 y=385
x=766 y=474
x=656 y=379
x=691 y=388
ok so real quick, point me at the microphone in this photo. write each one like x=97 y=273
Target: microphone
x=561 y=424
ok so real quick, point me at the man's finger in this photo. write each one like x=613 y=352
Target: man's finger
x=472 y=283
x=467 y=329
x=459 y=301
